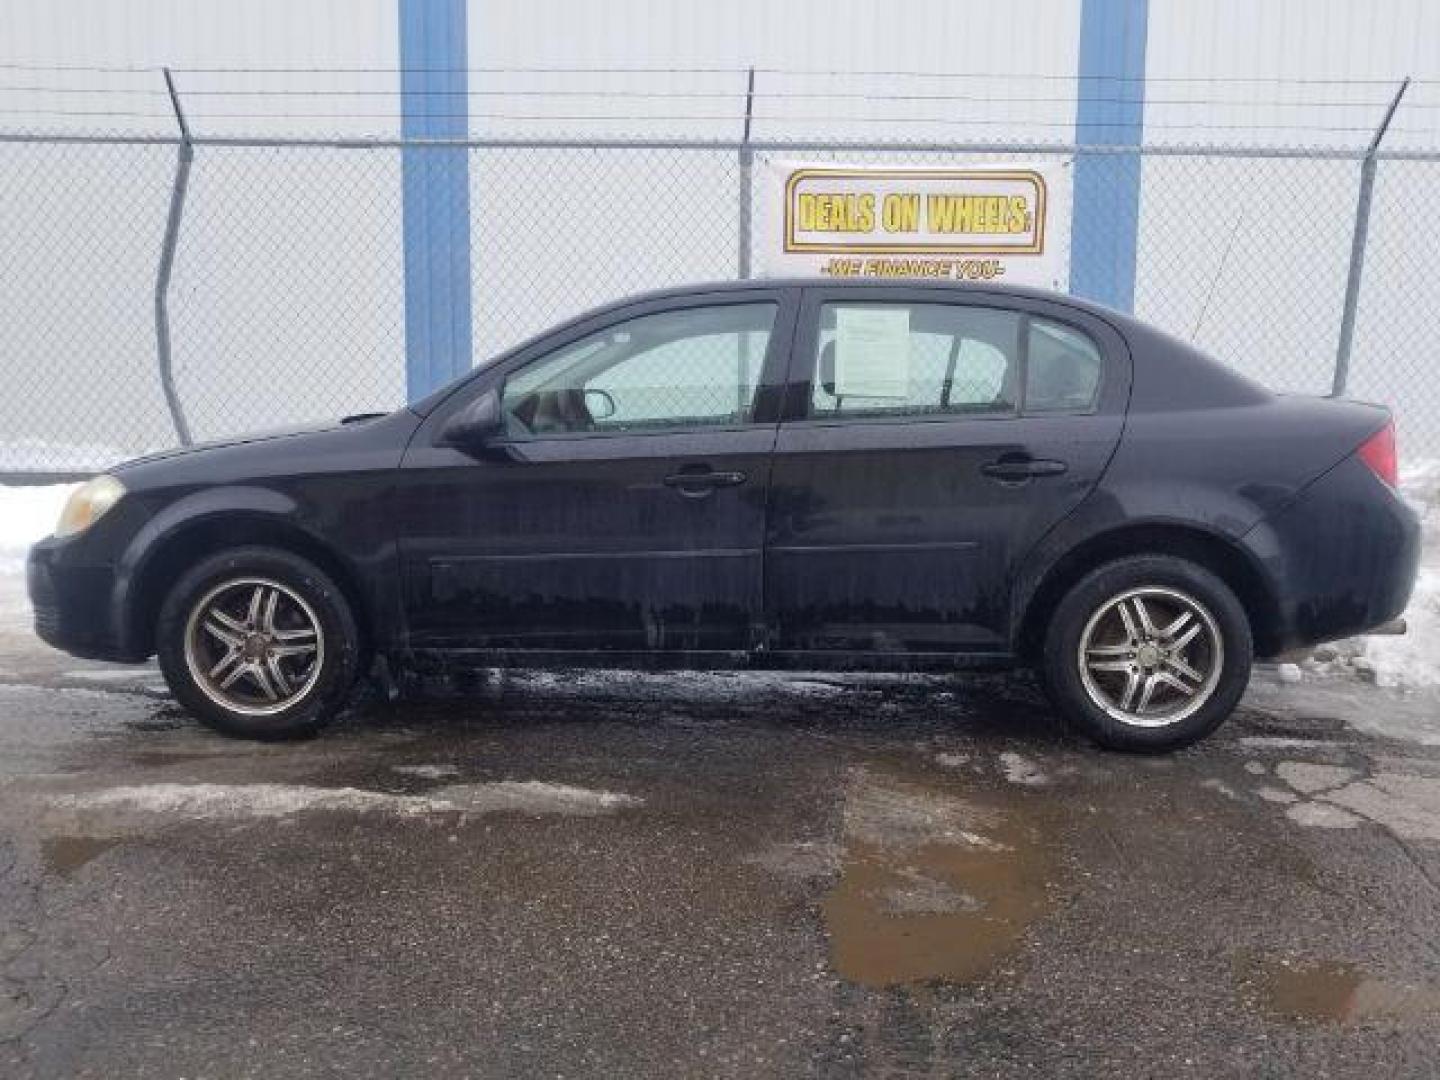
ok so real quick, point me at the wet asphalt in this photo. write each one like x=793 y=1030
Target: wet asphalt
x=592 y=874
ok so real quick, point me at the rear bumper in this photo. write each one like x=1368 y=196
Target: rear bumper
x=73 y=604
x=1340 y=560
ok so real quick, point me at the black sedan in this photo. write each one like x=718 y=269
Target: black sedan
x=812 y=475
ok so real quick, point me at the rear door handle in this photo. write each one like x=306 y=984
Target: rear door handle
x=695 y=484
x=1017 y=470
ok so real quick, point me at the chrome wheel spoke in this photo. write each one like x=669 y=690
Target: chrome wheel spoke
x=267 y=617
x=1186 y=638
x=260 y=676
x=1171 y=681
x=222 y=632
x=1181 y=621
x=278 y=678
x=1109 y=650
x=224 y=663
x=226 y=621
x=1147 y=625
x=303 y=634
x=234 y=676
x=1181 y=667
x=281 y=651
x=1147 y=692
x=1132 y=685
x=252 y=615
x=1132 y=632
x=1110 y=665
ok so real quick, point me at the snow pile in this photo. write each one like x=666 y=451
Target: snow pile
x=124 y=807
x=27 y=514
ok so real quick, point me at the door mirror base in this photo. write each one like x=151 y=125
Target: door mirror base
x=476 y=424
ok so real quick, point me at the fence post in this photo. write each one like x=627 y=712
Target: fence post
x=1109 y=112
x=185 y=156
x=747 y=167
x=1357 y=246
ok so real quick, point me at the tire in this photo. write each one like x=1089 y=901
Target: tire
x=303 y=643
x=1105 y=695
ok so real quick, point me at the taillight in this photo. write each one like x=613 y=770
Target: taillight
x=1378 y=452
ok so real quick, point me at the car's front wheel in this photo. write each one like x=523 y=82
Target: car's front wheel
x=1150 y=652
x=259 y=643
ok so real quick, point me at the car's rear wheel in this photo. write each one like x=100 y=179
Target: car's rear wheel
x=258 y=642
x=1150 y=652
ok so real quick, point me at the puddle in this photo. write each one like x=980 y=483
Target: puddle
x=64 y=855
x=933 y=887
x=1336 y=993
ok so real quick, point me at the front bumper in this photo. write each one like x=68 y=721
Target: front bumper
x=72 y=602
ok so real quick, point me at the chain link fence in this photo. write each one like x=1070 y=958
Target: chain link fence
x=285 y=302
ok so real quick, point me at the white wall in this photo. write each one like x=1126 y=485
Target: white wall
x=289 y=289
x=1274 y=302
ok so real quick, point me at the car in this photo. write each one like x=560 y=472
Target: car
x=786 y=474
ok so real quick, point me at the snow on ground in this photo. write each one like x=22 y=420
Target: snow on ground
x=1405 y=661
x=133 y=806
x=27 y=514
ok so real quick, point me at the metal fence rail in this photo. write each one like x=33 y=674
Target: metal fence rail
x=157 y=289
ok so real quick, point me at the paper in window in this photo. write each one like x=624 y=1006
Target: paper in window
x=872 y=352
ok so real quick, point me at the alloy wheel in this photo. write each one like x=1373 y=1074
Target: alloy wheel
x=254 y=646
x=1151 y=657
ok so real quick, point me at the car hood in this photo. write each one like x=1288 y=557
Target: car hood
x=232 y=440
x=361 y=443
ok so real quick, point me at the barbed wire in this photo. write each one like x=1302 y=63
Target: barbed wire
x=1171 y=104
x=718 y=95
x=128 y=69
x=730 y=118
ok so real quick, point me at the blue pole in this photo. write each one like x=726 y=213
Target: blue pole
x=435 y=194
x=1110 y=111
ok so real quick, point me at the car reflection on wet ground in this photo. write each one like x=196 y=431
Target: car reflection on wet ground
x=721 y=875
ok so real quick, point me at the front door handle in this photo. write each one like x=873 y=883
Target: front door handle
x=697 y=484
x=1017 y=470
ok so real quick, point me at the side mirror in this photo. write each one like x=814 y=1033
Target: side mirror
x=599 y=404
x=476 y=424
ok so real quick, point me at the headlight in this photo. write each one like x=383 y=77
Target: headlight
x=89 y=504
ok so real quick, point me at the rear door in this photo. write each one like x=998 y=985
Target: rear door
x=930 y=437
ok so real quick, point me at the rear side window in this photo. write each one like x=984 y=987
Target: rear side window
x=1062 y=369
x=916 y=360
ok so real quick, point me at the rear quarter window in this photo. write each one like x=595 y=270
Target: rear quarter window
x=1063 y=369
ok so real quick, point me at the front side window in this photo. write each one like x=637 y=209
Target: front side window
x=693 y=367
x=915 y=360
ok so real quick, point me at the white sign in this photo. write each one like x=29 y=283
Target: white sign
x=872 y=352
x=979 y=223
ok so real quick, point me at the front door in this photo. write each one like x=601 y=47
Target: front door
x=624 y=508
x=930 y=438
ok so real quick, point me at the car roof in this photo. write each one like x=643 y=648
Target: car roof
x=957 y=288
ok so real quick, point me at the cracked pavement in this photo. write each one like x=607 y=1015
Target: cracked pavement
x=596 y=874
